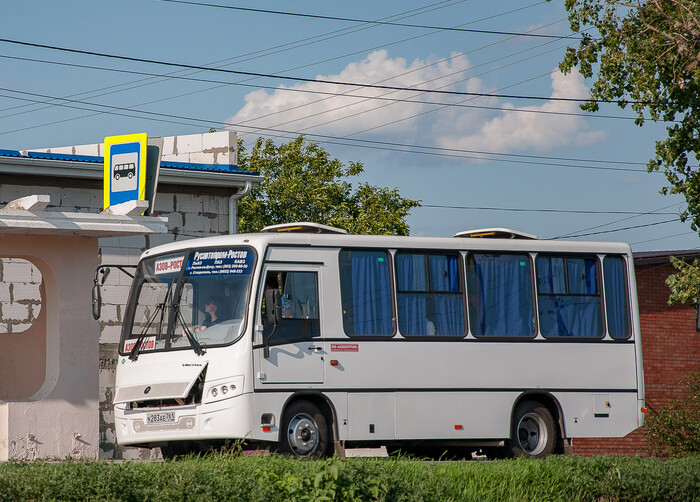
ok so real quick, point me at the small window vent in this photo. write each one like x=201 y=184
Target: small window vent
x=495 y=233
x=304 y=228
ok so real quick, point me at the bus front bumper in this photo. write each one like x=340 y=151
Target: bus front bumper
x=228 y=419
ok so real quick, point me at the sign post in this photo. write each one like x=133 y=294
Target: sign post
x=124 y=168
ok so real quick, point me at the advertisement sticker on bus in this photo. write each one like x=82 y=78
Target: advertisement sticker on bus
x=220 y=262
x=148 y=343
x=168 y=265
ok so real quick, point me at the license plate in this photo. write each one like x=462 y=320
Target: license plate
x=160 y=418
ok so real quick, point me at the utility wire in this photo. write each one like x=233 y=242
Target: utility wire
x=282 y=48
x=367 y=21
x=521 y=210
x=653 y=212
x=292 y=89
x=317 y=81
x=353 y=142
x=617 y=229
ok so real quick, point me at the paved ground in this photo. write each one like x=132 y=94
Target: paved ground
x=366 y=452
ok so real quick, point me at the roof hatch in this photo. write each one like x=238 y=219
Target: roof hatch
x=303 y=227
x=495 y=233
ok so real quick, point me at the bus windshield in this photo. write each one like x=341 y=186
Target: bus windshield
x=190 y=299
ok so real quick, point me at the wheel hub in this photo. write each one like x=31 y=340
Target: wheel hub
x=303 y=435
x=532 y=434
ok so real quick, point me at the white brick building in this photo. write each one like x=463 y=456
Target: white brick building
x=198 y=188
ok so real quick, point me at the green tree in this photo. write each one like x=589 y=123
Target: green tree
x=646 y=55
x=674 y=429
x=301 y=182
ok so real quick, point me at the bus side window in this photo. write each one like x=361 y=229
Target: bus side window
x=300 y=312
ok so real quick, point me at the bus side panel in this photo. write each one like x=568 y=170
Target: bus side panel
x=454 y=415
x=469 y=365
x=599 y=414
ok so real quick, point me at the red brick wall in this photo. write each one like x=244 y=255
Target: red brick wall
x=670 y=349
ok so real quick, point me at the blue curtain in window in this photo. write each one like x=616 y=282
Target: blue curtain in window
x=413 y=318
x=371 y=294
x=411 y=272
x=616 y=303
x=449 y=314
x=564 y=315
x=426 y=309
x=504 y=296
x=411 y=276
x=582 y=276
x=568 y=311
x=449 y=308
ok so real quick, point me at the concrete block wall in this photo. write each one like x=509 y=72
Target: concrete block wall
x=670 y=350
x=207 y=148
x=189 y=216
x=20 y=296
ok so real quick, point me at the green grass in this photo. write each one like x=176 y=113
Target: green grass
x=273 y=478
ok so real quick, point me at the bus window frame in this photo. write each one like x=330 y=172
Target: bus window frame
x=394 y=314
x=177 y=293
x=533 y=292
x=600 y=286
x=628 y=314
x=462 y=274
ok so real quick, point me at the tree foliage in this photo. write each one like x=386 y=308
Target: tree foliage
x=684 y=283
x=647 y=56
x=674 y=429
x=301 y=182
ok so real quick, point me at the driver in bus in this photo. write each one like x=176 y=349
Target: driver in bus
x=213 y=313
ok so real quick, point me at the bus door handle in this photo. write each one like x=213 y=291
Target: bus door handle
x=313 y=347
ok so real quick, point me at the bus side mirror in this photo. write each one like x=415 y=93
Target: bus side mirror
x=96 y=301
x=273 y=306
x=96 y=295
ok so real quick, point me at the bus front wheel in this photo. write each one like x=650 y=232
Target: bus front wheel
x=534 y=434
x=305 y=431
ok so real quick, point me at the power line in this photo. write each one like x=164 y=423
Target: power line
x=655 y=211
x=521 y=210
x=304 y=91
x=353 y=142
x=367 y=21
x=289 y=46
x=317 y=81
x=617 y=229
x=296 y=44
x=662 y=238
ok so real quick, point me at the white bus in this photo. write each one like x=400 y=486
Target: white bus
x=321 y=340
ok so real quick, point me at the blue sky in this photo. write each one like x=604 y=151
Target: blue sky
x=537 y=165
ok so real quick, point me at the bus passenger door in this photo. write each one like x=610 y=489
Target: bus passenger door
x=296 y=351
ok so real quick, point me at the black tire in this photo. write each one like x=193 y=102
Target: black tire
x=305 y=432
x=116 y=177
x=533 y=432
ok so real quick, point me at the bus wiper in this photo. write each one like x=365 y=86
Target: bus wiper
x=196 y=346
x=134 y=354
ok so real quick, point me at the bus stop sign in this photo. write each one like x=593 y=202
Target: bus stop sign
x=125 y=168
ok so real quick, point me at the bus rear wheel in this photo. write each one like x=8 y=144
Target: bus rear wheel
x=305 y=431
x=534 y=434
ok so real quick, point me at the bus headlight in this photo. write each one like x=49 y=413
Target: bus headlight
x=225 y=390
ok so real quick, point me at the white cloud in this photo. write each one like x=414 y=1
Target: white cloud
x=343 y=115
x=515 y=131
x=447 y=127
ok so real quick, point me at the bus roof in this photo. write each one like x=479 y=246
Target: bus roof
x=262 y=240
